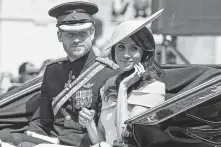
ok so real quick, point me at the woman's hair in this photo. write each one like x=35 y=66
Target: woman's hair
x=144 y=39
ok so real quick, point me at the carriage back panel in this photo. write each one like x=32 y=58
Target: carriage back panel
x=16 y=115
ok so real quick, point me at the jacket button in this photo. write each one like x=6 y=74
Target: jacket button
x=68 y=117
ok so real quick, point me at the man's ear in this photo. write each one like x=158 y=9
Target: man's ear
x=92 y=32
x=59 y=34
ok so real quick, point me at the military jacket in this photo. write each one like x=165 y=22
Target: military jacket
x=64 y=124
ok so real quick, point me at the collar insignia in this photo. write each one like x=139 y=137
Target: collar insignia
x=74 y=15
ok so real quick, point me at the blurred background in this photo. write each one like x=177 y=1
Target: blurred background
x=188 y=32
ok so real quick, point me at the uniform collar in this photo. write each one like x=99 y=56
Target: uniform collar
x=83 y=61
x=90 y=57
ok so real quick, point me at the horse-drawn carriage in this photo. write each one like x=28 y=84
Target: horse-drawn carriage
x=189 y=116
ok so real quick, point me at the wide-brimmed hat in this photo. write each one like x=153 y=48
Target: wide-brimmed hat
x=128 y=28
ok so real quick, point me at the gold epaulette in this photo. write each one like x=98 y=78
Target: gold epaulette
x=57 y=60
x=107 y=62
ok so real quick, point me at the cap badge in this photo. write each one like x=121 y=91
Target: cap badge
x=74 y=14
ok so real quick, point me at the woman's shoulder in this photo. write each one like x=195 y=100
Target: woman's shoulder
x=156 y=87
x=157 y=84
x=149 y=95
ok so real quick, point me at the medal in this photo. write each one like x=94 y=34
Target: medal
x=83 y=98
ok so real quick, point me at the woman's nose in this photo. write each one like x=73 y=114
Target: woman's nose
x=126 y=54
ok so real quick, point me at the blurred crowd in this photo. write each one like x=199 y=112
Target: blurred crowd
x=28 y=71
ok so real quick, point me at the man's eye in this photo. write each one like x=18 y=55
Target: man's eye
x=69 y=35
x=83 y=33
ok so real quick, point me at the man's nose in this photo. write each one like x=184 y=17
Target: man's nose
x=76 y=40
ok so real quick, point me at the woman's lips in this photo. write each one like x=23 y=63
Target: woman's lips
x=126 y=62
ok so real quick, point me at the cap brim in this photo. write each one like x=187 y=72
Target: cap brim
x=76 y=27
x=139 y=25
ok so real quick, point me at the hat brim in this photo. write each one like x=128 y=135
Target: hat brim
x=32 y=70
x=117 y=37
x=76 y=27
x=90 y=8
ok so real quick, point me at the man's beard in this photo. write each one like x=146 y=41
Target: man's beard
x=79 y=51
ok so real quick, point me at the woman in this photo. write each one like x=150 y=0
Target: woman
x=138 y=87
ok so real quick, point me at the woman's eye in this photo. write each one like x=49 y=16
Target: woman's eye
x=121 y=46
x=134 y=48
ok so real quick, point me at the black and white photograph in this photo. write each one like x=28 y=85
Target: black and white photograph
x=110 y=73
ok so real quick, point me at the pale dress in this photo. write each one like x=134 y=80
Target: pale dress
x=138 y=97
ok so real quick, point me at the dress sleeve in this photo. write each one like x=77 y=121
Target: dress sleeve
x=148 y=96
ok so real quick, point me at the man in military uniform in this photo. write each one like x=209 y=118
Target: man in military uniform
x=64 y=117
